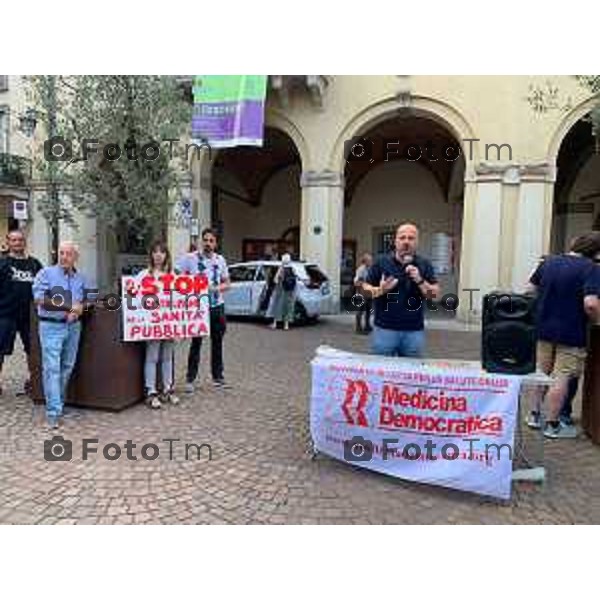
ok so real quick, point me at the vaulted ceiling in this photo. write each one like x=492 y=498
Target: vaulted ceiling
x=427 y=137
x=254 y=166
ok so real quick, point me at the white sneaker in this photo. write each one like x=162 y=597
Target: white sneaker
x=534 y=420
x=562 y=432
x=188 y=388
x=153 y=400
x=172 y=398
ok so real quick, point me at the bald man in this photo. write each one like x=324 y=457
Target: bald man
x=59 y=293
x=400 y=283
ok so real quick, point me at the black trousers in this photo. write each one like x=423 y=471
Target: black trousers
x=9 y=328
x=218 y=327
x=364 y=312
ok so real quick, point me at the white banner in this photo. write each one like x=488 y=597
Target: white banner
x=441 y=425
x=166 y=307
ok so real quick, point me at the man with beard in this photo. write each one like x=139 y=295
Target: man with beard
x=399 y=282
x=214 y=266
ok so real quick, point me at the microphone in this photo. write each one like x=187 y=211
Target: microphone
x=407 y=260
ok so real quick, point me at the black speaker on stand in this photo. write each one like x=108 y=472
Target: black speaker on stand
x=508 y=333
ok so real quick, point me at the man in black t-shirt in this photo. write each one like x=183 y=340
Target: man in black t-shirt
x=17 y=272
x=400 y=282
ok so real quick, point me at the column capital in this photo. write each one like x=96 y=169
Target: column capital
x=324 y=178
x=513 y=174
x=185 y=179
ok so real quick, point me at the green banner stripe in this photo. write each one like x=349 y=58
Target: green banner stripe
x=229 y=88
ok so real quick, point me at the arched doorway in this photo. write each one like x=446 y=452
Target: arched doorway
x=256 y=198
x=576 y=207
x=415 y=172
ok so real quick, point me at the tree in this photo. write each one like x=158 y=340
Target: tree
x=122 y=170
x=546 y=98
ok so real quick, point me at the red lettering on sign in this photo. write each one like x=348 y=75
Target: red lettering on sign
x=167 y=280
x=149 y=285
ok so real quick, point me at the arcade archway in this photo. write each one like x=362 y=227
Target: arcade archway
x=414 y=171
x=256 y=198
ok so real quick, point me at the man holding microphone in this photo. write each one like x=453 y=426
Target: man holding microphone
x=399 y=282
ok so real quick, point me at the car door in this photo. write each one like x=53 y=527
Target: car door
x=259 y=291
x=238 y=298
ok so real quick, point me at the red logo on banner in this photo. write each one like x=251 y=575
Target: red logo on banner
x=357 y=390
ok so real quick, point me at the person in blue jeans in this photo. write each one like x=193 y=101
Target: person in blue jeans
x=399 y=283
x=59 y=293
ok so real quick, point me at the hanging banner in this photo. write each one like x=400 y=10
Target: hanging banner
x=229 y=110
x=166 y=307
x=446 y=426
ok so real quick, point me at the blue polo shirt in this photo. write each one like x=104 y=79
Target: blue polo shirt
x=563 y=282
x=55 y=280
x=403 y=308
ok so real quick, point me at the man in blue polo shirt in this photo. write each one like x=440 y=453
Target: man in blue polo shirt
x=59 y=293
x=400 y=282
x=568 y=288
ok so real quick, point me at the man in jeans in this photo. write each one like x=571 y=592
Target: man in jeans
x=214 y=266
x=568 y=287
x=59 y=293
x=400 y=282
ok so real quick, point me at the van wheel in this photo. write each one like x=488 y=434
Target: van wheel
x=300 y=316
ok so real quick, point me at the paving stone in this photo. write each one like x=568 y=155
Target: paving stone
x=261 y=470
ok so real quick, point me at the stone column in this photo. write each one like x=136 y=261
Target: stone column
x=201 y=195
x=321 y=224
x=38 y=229
x=481 y=243
x=180 y=217
x=84 y=232
x=533 y=222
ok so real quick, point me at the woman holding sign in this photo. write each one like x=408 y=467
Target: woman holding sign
x=159 y=263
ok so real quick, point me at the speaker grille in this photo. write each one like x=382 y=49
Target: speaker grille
x=509 y=334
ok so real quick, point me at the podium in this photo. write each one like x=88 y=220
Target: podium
x=108 y=374
x=590 y=407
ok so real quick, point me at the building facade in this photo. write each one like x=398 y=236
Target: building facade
x=492 y=184
x=521 y=184
x=15 y=155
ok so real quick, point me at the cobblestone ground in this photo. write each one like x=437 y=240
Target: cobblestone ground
x=261 y=470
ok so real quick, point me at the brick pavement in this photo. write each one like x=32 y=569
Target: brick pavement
x=261 y=470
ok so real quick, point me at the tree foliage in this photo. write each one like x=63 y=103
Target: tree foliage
x=124 y=115
x=548 y=97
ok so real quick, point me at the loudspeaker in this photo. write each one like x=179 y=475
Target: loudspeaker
x=508 y=333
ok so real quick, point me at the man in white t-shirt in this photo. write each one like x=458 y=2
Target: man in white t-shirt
x=214 y=266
